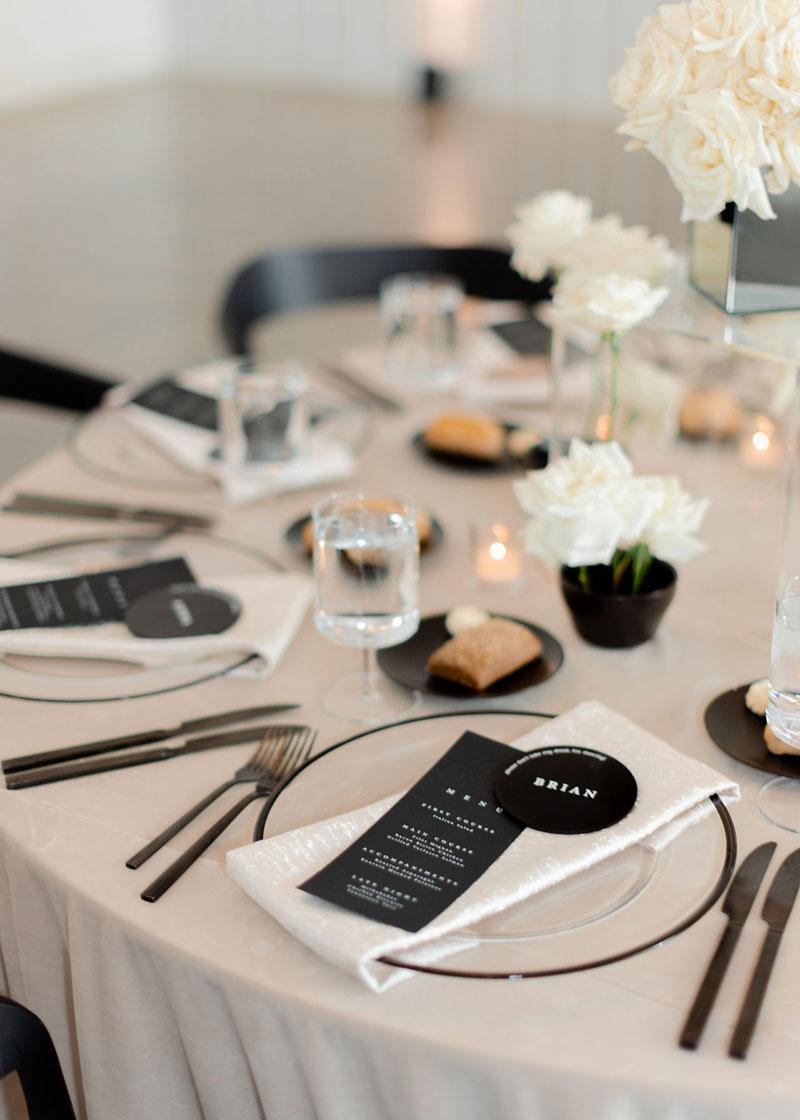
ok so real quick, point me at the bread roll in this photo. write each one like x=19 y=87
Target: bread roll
x=424 y=526
x=776 y=745
x=481 y=655
x=475 y=437
x=710 y=412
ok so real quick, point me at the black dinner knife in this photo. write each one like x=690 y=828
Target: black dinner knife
x=68 y=507
x=737 y=905
x=139 y=738
x=775 y=912
x=135 y=758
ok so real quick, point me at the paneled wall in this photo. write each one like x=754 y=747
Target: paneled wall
x=541 y=55
x=552 y=56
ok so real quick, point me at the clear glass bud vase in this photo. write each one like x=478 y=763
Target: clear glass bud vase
x=783 y=707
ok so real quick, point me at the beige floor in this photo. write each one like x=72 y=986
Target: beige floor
x=122 y=214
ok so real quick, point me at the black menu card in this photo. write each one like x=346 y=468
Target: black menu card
x=171 y=399
x=88 y=599
x=426 y=850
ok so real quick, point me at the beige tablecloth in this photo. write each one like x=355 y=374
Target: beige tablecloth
x=201 y=1006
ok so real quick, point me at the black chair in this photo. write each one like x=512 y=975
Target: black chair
x=27 y=1049
x=291 y=280
x=25 y=377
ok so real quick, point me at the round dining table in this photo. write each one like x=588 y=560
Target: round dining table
x=202 y=1006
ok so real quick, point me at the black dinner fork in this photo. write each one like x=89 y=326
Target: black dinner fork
x=258 y=766
x=295 y=749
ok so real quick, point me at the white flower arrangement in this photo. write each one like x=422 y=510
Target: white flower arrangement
x=608 y=304
x=587 y=508
x=605 y=271
x=712 y=89
x=555 y=232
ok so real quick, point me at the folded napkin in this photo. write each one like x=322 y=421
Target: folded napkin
x=192 y=447
x=673 y=793
x=490 y=371
x=273 y=607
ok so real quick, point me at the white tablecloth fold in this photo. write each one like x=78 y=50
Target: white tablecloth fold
x=674 y=792
x=324 y=459
x=273 y=607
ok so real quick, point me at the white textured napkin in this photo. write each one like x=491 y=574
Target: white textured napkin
x=273 y=607
x=490 y=371
x=324 y=460
x=673 y=793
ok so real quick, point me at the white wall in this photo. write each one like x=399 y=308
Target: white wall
x=541 y=55
x=49 y=48
x=548 y=55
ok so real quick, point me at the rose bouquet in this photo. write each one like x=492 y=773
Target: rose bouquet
x=588 y=509
x=712 y=89
x=605 y=272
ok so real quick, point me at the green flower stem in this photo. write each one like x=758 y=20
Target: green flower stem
x=615 y=347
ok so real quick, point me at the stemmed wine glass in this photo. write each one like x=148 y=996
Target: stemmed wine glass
x=366 y=572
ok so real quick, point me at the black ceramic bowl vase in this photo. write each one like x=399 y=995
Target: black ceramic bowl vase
x=605 y=618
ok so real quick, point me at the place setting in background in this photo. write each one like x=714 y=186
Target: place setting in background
x=300 y=534
x=474 y=442
x=121 y=616
x=242 y=428
x=586 y=840
x=468 y=652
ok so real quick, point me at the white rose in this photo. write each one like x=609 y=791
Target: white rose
x=543 y=226
x=778 y=67
x=583 y=506
x=608 y=304
x=674 y=518
x=783 y=144
x=724 y=27
x=657 y=68
x=712 y=149
x=608 y=246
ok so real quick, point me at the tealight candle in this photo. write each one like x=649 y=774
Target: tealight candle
x=759 y=445
x=496 y=556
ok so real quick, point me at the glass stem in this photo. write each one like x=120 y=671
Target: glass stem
x=558 y=351
x=366 y=683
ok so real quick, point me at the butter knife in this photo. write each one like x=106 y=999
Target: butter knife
x=775 y=912
x=737 y=905
x=367 y=394
x=68 y=507
x=136 y=758
x=138 y=738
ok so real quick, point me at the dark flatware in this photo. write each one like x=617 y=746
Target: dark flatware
x=136 y=758
x=737 y=905
x=775 y=912
x=294 y=752
x=258 y=766
x=358 y=387
x=67 y=507
x=139 y=738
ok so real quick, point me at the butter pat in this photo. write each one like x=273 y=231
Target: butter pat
x=463 y=617
x=756 y=697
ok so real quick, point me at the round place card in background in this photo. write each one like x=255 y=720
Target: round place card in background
x=182 y=610
x=566 y=789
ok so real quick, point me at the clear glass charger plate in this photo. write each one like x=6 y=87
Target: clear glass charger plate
x=628 y=903
x=72 y=680
x=105 y=445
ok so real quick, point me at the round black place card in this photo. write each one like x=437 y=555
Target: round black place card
x=182 y=610
x=566 y=789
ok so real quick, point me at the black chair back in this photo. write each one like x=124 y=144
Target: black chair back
x=26 y=1048
x=291 y=280
x=26 y=377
